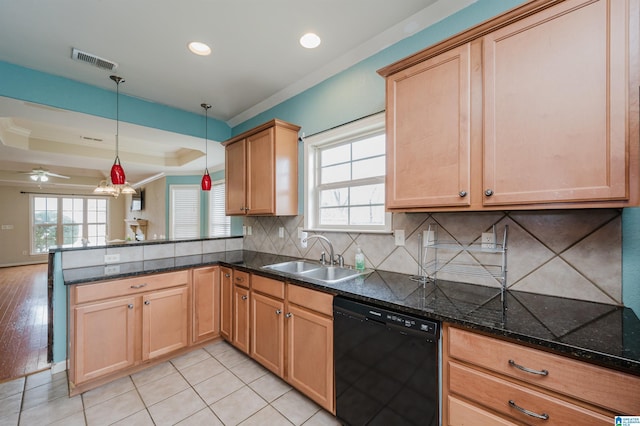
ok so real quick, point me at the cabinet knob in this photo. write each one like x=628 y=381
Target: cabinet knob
x=244 y=297
x=288 y=315
x=488 y=192
x=462 y=194
x=130 y=306
x=227 y=275
x=278 y=311
x=147 y=302
x=241 y=209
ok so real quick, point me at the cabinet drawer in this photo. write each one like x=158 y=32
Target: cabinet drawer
x=241 y=278
x=127 y=286
x=496 y=394
x=462 y=413
x=610 y=389
x=268 y=286
x=311 y=299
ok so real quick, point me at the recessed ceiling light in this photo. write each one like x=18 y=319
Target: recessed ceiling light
x=310 y=41
x=199 y=48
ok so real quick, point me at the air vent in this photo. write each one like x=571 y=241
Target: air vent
x=89 y=138
x=92 y=59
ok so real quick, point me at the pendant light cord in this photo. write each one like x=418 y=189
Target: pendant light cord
x=206 y=133
x=118 y=80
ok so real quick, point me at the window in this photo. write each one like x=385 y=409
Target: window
x=344 y=181
x=219 y=223
x=185 y=211
x=59 y=220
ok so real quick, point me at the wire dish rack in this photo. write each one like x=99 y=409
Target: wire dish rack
x=482 y=261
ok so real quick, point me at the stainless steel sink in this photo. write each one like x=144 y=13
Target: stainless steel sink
x=316 y=271
x=331 y=274
x=294 y=266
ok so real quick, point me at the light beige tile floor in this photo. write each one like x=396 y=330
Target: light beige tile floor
x=216 y=385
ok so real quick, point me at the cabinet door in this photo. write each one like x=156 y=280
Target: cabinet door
x=226 y=303
x=164 y=322
x=428 y=133
x=267 y=332
x=555 y=106
x=310 y=355
x=241 y=318
x=206 y=302
x=261 y=173
x=235 y=178
x=104 y=338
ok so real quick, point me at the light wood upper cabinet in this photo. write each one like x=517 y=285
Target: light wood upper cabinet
x=428 y=132
x=261 y=171
x=555 y=106
x=534 y=109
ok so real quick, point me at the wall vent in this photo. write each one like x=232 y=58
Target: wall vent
x=92 y=59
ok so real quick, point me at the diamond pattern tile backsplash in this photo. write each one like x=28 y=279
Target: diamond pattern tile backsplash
x=567 y=253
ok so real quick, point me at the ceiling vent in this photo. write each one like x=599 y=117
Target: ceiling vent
x=92 y=59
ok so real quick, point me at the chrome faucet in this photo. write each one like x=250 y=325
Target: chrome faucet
x=332 y=257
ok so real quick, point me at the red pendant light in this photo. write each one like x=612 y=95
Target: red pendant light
x=117 y=172
x=206 y=179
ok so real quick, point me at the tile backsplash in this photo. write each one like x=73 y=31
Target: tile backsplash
x=567 y=253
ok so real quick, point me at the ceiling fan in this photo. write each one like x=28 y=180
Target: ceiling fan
x=42 y=175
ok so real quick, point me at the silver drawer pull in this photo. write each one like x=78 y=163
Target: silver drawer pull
x=528 y=370
x=139 y=285
x=542 y=416
x=239 y=279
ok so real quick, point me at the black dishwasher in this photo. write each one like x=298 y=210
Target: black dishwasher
x=386 y=366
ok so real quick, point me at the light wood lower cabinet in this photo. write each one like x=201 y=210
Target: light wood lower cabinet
x=205 y=303
x=241 y=311
x=491 y=381
x=119 y=325
x=291 y=329
x=103 y=338
x=226 y=303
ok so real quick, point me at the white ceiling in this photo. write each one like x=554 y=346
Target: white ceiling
x=256 y=63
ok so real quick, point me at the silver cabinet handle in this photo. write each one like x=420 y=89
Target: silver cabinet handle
x=244 y=297
x=240 y=279
x=488 y=192
x=241 y=209
x=278 y=311
x=139 y=285
x=147 y=302
x=529 y=413
x=130 y=306
x=462 y=194
x=288 y=315
x=528 y=370
x=227 y=275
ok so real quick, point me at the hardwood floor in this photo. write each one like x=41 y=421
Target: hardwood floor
x=23 y=320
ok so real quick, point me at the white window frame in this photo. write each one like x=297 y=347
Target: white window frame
x=172 y=215
x=212 y=216
x=60 y=224
x=368 y=126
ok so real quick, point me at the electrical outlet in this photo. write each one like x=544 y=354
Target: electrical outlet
x=428 y=238
x=244 y=229
x=249 y=230
x=112 y=269
x=281 y=232
x=399 y=235
x=303 y=239
x=112 y=258
x=488 y=240
x=299 y=231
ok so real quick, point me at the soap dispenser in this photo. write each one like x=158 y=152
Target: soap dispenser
x=359 y=259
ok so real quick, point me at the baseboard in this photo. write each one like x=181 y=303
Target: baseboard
x=58 y=367
x=34 y=262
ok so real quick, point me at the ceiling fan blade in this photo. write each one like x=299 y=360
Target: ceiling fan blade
x=56 y=175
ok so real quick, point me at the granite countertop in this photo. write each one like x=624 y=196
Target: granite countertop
x=602 y=334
